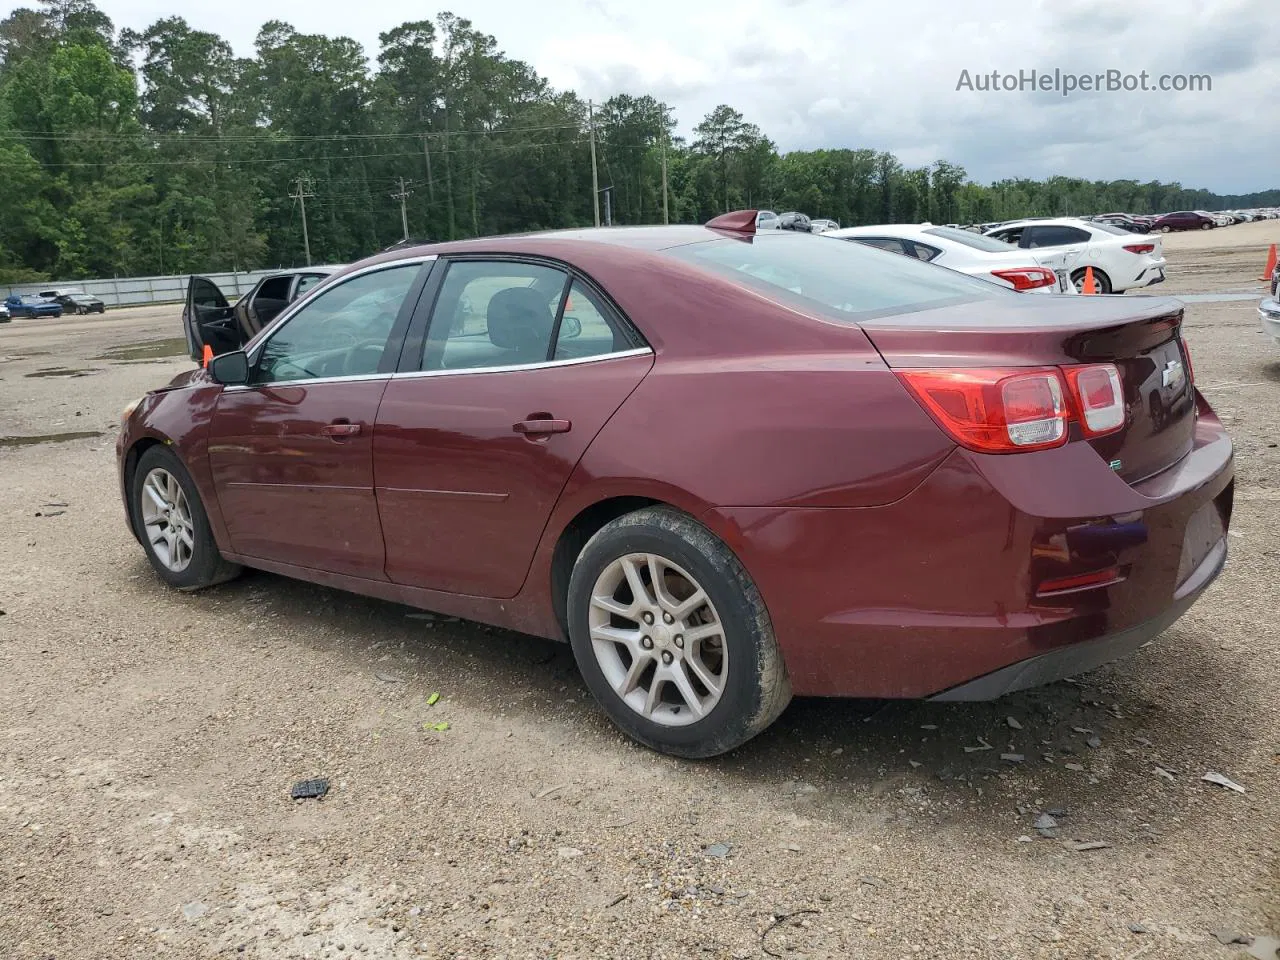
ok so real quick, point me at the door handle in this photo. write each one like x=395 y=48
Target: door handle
x=541 y=425
x=340 y=429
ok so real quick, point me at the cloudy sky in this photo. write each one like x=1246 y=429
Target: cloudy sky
x=838 y=73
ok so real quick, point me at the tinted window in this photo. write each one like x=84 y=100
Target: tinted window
x=494 y=314
x=307 y=281
x=1055 y=235
x=845 y=281
x=922 y=251
x=587 y=328
x=1112 y=228
x=1012 y=236
x=891 y=244
x=970 y=239
x=341 y=333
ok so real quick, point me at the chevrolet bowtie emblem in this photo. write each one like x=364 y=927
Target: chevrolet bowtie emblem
x=1173 y=374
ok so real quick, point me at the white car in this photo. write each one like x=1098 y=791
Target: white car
x=823 y=226
x=767 y=220
x=1269 y=314
x=1121 y=260
x=971 y=253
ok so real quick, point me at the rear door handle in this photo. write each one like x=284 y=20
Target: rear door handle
x=340 y=428
x=542 y=425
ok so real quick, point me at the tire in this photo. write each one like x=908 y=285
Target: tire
x=1165 y=229
x=1206 y=226
x=1100 y=280
x=81 y=311
x=204 y=566
x=753 y=684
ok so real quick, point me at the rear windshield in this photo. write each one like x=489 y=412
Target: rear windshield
x=971 y=239
x=845 y=281
x=1110 y=228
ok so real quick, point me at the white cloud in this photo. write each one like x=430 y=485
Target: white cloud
x=830 y=73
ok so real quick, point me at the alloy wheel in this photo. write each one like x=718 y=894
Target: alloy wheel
x=166 y=518
x=658 y=639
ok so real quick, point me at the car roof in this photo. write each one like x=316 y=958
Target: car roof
x=1046 y=221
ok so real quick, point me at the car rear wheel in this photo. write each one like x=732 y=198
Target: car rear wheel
x=1165 y=229
x=172 y=523
x=1100 y=280
x=672 y=636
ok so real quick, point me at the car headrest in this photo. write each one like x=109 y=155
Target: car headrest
x=519 y=319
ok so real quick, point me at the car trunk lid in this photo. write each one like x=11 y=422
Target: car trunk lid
x=1140 y=335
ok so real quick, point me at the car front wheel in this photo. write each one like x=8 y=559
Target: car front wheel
x=672 y=635
x=172 y=523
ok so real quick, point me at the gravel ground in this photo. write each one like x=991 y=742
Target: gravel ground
x=149 y=739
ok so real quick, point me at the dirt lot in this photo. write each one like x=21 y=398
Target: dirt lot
x=148 y=741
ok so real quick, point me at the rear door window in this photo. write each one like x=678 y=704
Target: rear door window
x=1054 y=235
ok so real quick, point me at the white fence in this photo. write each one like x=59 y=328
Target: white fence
x=131 y=291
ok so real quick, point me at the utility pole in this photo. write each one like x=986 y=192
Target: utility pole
x=302 y=186
x=608 y=206
x=402 y=196
x=665 y=218
x=595 y=178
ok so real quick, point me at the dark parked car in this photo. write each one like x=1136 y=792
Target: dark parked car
x=29 y=306
x=81 y=303
x=1124 y=222
x=209 y=319
x=795 y=221
x=727 y=466
x=1183 y=220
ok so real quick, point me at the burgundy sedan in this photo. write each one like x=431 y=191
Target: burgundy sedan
x=727 y=467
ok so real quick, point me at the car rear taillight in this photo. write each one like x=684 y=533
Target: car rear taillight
x=994 y=410
x=1012 y=410
x=1027 y=278
x=1098 y=396
x=1140 y=247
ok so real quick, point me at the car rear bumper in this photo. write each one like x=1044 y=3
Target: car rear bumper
x=1080 y=657
x=1269 y=315
x=944 y=587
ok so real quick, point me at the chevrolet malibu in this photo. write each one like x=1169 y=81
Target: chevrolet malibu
x=727 y=467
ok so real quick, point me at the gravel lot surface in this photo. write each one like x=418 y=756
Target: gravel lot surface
x=149 y=740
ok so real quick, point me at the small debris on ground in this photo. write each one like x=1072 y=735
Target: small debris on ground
x=1025 y=839
x=1045 y=822
x=309 y=789
x=433 y=700
x=1094 y=742
x=1013 y=757
x=548 y=791
x=1222 y=781
x=387 y=677
x=1080 y=846
x=1162 y=772
x=985 y=746
x=194 y=910
x=440 y=727
x=1013 y=723
x=569 y=853
x=1138 y=928
x=1264 y=948
x=719 y=850
x=1078 y=767
x=1228 y=937
x=928 y=726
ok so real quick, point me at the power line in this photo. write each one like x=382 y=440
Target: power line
x=267 y=135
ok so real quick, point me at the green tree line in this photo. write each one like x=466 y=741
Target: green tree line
x=128 y=152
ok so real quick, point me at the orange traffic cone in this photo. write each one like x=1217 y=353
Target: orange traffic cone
x=207 y=356
x=1089 y=286
x=1271 y=264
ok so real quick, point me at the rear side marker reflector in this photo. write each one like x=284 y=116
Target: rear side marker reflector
x=1012 y=410
x=1080 y=581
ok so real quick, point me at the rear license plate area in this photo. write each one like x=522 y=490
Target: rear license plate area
x=1204 y=530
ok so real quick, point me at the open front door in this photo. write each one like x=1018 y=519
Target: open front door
x=209 y=320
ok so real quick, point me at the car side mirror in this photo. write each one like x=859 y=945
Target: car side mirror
x=570 y=327
x=230 y=369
